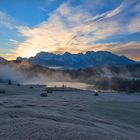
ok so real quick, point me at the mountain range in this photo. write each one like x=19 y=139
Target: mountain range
x=76 y=61
x=2 y=60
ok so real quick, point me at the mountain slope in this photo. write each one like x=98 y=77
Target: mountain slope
x=80 y=60
x=2 y=60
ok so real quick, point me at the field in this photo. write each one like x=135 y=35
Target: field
x=77 y=115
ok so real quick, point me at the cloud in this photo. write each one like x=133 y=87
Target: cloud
x=13 y=41
x=117 y=10
x=73 y=29
x=134 y=25
x=68 y=28
x=130 y=49
x=6 y=21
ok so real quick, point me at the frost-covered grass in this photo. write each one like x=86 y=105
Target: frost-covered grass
x=127 y=112
x=66 y=115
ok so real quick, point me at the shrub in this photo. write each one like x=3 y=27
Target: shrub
x=9 y=82
x=43 y=94
x=2 y=91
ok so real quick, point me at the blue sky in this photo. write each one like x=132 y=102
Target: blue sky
x=28 y=27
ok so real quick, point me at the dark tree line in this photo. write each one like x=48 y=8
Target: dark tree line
x=118 y=84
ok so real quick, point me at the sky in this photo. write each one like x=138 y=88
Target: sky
x=30 y=26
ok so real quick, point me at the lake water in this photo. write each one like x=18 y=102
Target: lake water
x=77 y=85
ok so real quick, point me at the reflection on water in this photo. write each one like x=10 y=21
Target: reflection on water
x=77 y=85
